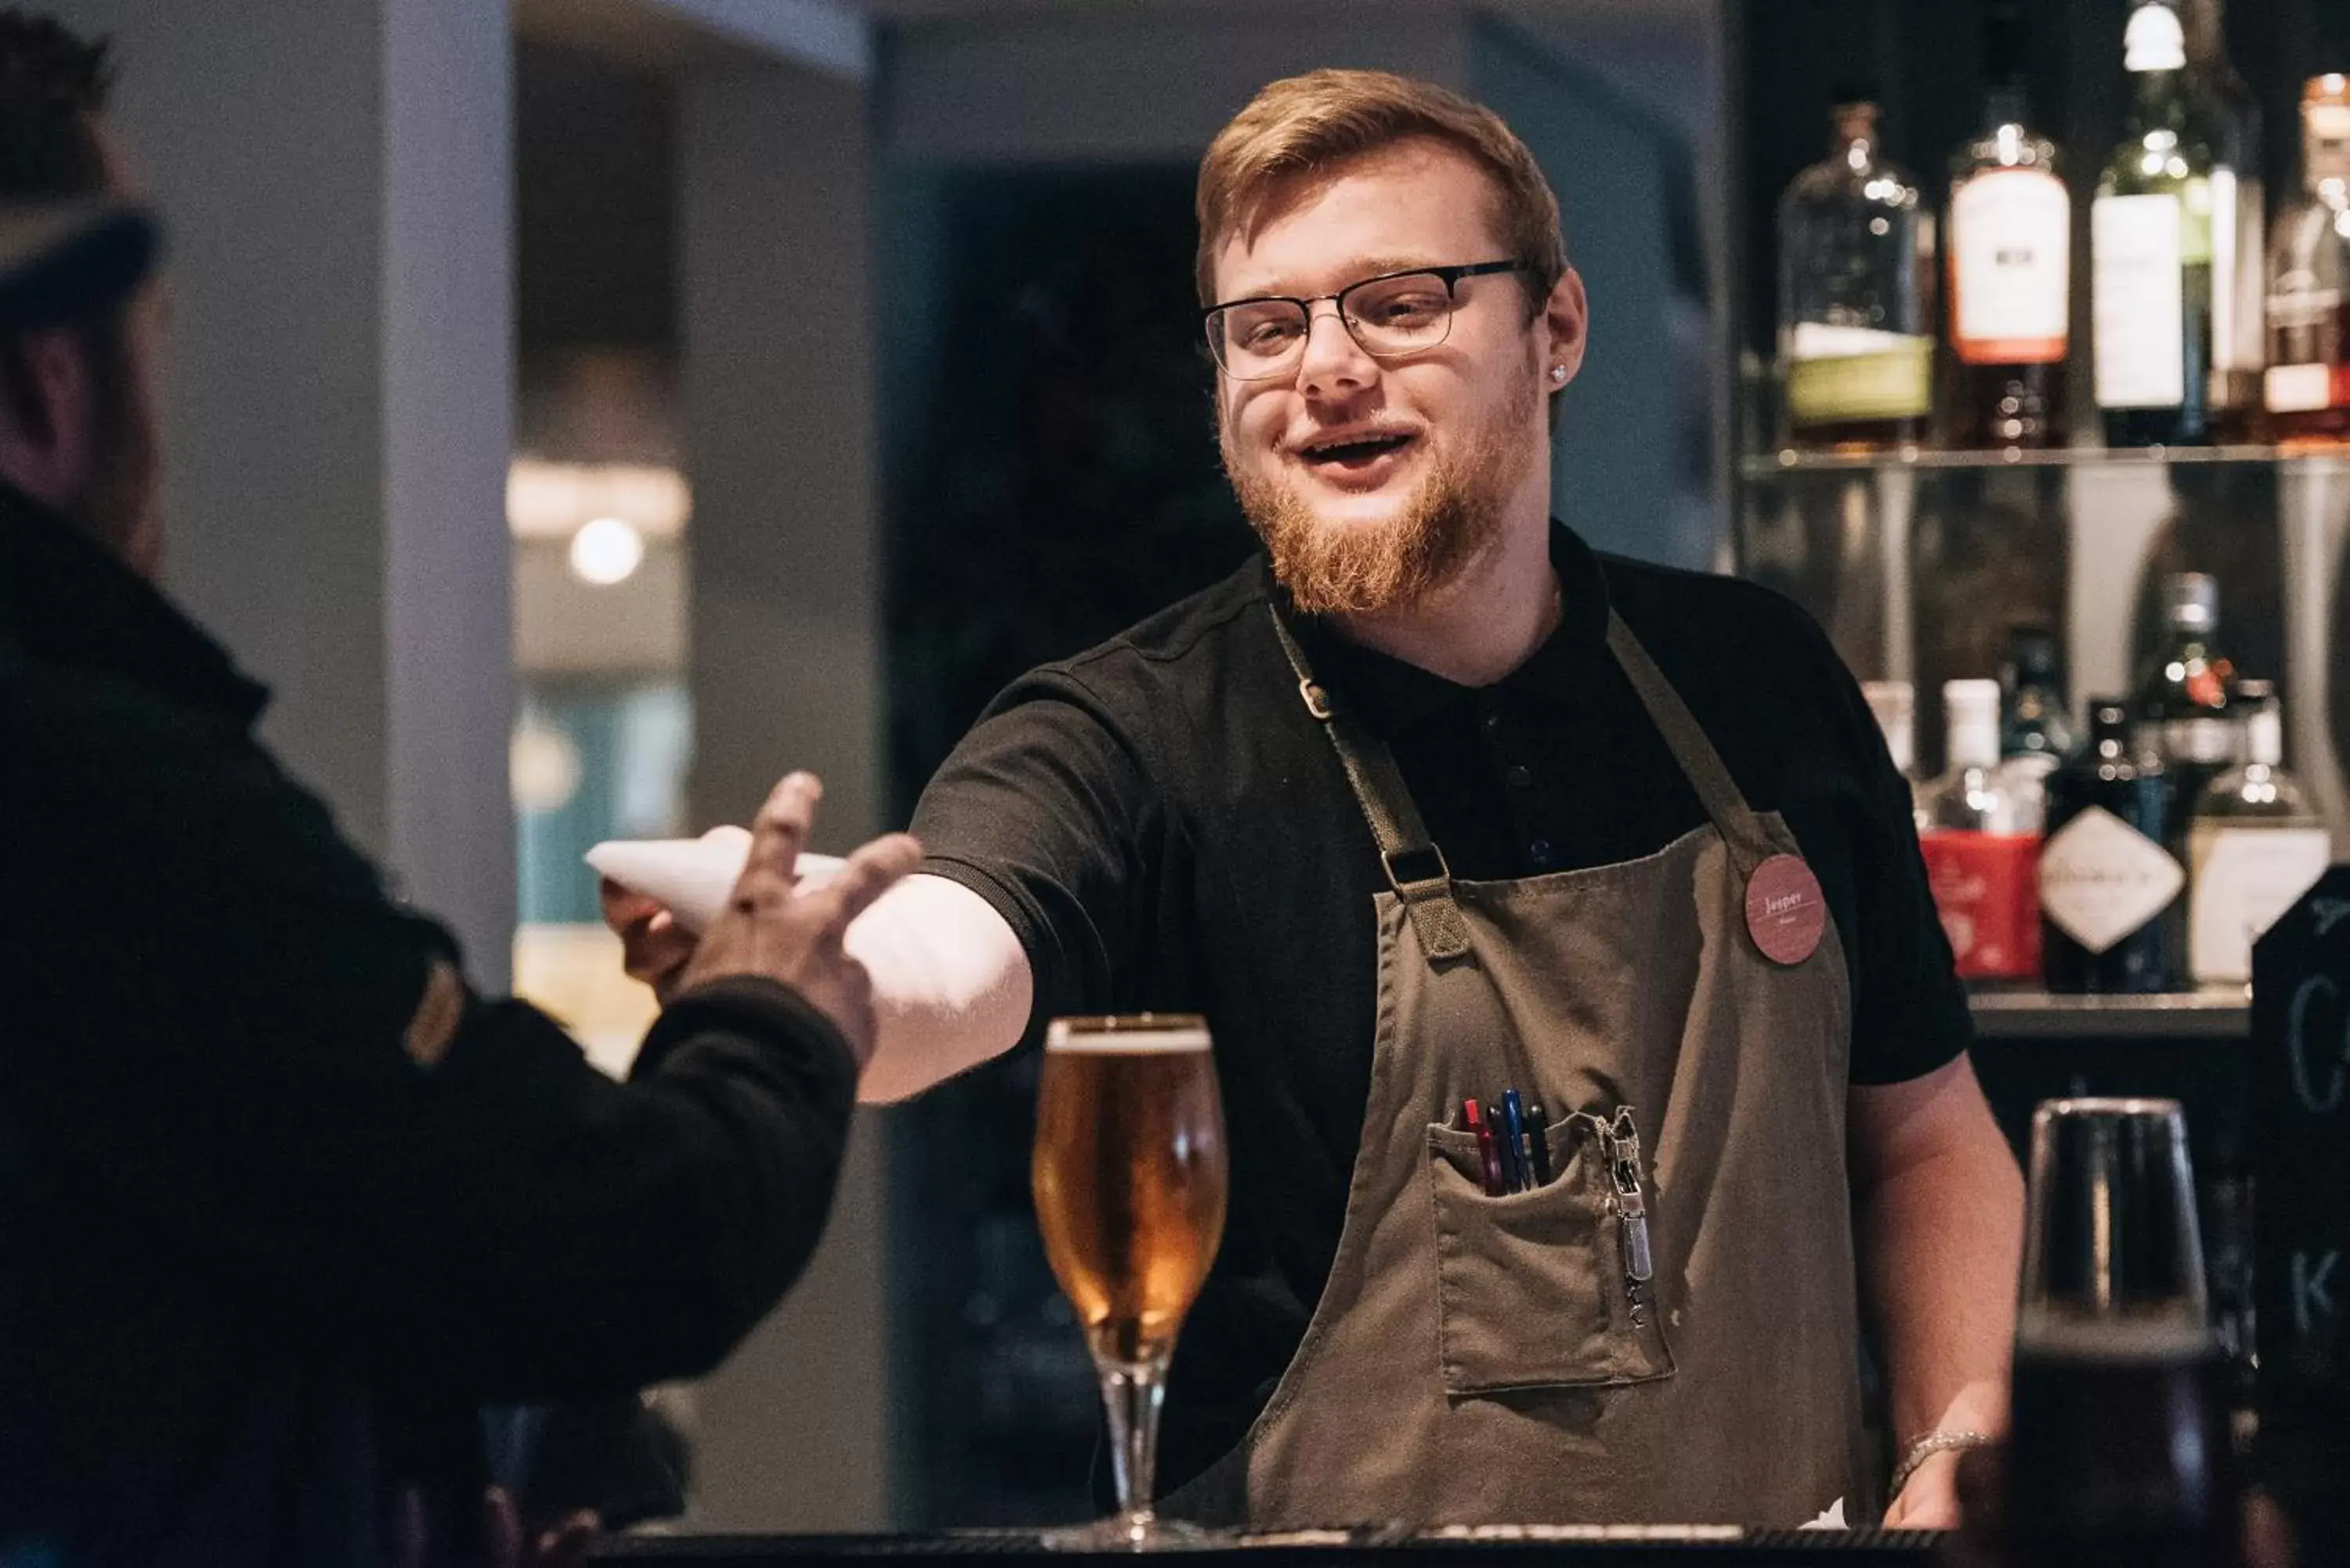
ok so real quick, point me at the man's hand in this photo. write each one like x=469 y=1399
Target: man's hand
x=1929 y=1500
x=769 y=926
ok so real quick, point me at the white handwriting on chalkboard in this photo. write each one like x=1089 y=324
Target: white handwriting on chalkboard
x=2329 y=912
x=2313 y=1295
x=2297 y=1048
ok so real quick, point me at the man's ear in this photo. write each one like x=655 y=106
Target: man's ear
x=47 y=416
x=1567 y=315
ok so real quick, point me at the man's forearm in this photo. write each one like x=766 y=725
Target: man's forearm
x=952 y=985
x=1940 y=1209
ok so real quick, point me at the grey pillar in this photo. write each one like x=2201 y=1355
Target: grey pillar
x=785 y=665
x=337 y=399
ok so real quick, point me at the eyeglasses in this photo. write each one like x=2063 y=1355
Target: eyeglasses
x=1389 y=316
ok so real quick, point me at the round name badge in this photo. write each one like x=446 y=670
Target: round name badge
x=1785 y=911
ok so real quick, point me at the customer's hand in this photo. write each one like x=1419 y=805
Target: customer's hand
x=654 y=947
x=772 y=926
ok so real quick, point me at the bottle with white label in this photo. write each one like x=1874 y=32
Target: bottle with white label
x=2150 y=250
x=1894 y=705
x=2008 y=251
x=2307 y=385
x=2238 y=222
x=2255 y=847
x=1980 y=844
x=2113 y=878
x=1855 y=333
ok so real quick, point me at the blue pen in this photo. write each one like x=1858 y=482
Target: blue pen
x=1512 y=1176
x=1538 y=1144
x=1514 y=1118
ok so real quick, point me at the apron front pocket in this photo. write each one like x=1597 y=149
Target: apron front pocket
x=1533 y=1288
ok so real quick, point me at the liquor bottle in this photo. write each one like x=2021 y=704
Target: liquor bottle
x=2255 y=847
x=2035 y=728
x=1855 y=331
x=2307 y=386
x=2238 y=222
x=2150 y=250
x=1894 y=705
x=2187 y=692
x=2111 y=875
x=2008 y=246
x=1979 y=846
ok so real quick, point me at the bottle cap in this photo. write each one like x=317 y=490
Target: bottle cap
x=1972 y=709
x=2154 y=41
x=2191 y=601
x=2264 y=727
x=1971 y=698
x=2032 y=649
x=1894 y=704
x=1892 y=701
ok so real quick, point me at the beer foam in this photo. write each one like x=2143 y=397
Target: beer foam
x=1139 y=1036
x=2122 y=1340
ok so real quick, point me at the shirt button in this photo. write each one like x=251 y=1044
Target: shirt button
x=1519 y=775
x=1539 y=851
x=1493 y=721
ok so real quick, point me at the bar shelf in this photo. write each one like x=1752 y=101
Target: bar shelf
x=2213 y=1013
x=1769 y=465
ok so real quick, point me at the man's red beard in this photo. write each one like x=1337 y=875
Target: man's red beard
x=1367 y=568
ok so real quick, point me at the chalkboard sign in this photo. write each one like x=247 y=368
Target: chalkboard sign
x=2300 y=1109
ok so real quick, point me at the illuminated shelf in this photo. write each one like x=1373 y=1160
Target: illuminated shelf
x=2214 y=1012
x=1775 y=464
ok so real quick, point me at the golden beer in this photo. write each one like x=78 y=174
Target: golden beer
x=1129 y=1176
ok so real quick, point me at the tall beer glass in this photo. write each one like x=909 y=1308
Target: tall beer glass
x=1129 y=1181
x=2120 y=1446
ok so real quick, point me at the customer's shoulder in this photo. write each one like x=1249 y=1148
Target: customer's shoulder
x=101 y=742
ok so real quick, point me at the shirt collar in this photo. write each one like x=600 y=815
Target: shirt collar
x=1390 y=696
x=64 y=600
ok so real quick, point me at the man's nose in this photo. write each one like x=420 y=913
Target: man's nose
x=1333 y=362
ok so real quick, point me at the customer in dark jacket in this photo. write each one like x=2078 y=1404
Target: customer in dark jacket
x=280 y=1199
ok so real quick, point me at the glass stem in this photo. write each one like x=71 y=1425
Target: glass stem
x=1132 y=1392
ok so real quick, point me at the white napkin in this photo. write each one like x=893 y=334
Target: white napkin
x=692 y=875
x=1831 y=1520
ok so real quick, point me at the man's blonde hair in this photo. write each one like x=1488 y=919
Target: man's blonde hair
x=1302 y=125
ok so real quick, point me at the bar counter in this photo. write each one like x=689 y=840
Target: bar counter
x=1632 y=1547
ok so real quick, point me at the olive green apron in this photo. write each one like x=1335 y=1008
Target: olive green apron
x=1479 y=1359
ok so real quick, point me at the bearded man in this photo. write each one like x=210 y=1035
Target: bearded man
x=1430 y=804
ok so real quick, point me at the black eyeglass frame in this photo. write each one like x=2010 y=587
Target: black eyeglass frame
x=1450 y=276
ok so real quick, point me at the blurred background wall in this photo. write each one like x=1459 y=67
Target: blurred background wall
x=583 y=412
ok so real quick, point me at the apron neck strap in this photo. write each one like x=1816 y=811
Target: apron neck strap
x=1749 y=842
x=1415 y=866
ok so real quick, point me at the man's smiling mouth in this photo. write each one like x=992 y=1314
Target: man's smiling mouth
x=1354 y=450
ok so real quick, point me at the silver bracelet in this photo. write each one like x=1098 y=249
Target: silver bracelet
x=1927 y=1446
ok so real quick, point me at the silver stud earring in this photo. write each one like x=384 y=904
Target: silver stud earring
x=1558 y=374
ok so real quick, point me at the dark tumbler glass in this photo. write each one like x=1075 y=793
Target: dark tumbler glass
x=2119 y=1449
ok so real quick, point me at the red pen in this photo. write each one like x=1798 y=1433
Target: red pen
x=1487 y=1149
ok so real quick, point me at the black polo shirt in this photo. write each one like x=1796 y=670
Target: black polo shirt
x=1167 y=828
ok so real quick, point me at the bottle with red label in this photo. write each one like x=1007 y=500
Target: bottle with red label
x=2008 y=250
x=1981 y=844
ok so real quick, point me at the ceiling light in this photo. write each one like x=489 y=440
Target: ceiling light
x=607 y=550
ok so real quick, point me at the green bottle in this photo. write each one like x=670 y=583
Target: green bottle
x=2150 y=249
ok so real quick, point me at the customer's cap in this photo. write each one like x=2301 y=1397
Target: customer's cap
x=61 y=260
